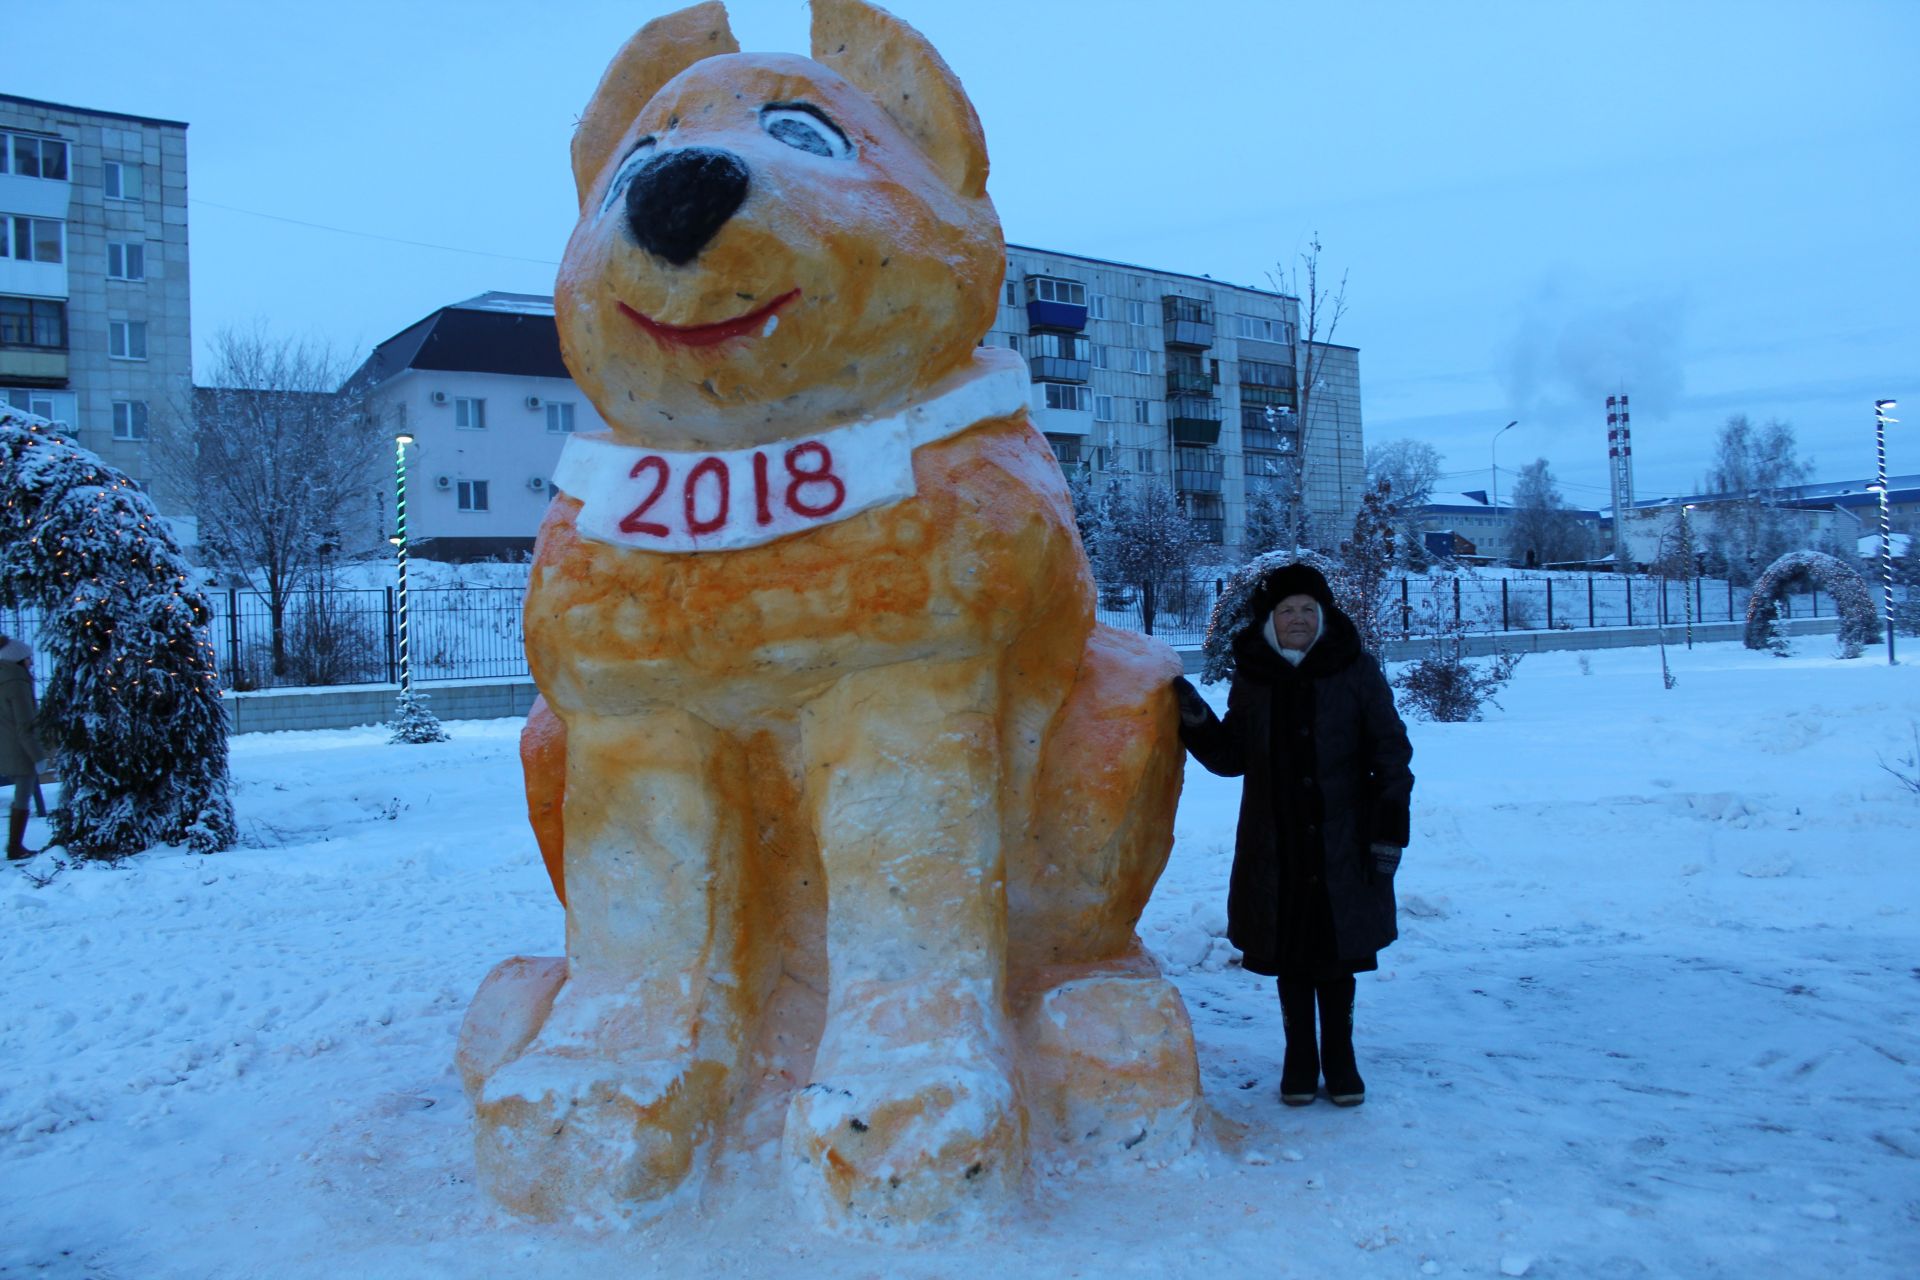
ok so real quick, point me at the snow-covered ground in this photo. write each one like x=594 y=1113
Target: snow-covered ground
x=1652 y=1014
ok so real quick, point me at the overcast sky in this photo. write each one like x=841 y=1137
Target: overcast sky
x=1710 y=206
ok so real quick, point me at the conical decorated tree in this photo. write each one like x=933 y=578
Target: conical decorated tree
x=132 y=714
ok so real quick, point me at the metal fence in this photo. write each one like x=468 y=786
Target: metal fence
x=334 y=636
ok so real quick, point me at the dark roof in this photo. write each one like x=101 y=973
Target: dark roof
x=92 y=111
x=492 y=333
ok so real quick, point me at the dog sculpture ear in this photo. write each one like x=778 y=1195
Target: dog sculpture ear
x=896 y=66
x=657 y=53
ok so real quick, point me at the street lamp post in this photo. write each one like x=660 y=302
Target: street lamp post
x=399 y=540
x=1880 y=421
x=1494 y=452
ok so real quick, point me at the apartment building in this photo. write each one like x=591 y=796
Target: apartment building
x=95 y=325
x=1144 y=375
x=1158 y=376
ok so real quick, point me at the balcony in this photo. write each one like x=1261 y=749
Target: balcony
x=1212 y=529
x=1189 y=321
x=1259 y=438
x=1054 y=303
x=1278 y=397
x=1184 y=382
x=1194 y=419
x=1059 y=357
x=1066 y=449
x=1197 y=481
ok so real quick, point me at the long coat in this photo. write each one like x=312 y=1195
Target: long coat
x=1324 y=756
x=19 y=749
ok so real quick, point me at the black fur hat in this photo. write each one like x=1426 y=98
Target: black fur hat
x=1296 y=579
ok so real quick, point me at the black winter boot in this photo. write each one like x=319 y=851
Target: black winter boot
x=1344 y=1084
x=17 y=836
x=1300 y=1071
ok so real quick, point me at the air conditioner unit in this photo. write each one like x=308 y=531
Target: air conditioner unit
x=533 y=402
x=438 y=397
x=443 y=482
x=537 y=483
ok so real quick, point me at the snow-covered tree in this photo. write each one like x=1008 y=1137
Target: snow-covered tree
x=1752 y=467
x=1412 y=468
x=132 y=714
x=1233 y=608
x=1543 y=529
x=1269 y=524
x=1364 y=563
x=413 y=723
x=1084 y=492
x=280 y=459
x=1147 y=541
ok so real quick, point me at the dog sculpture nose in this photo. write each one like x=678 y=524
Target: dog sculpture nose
x=677 y=203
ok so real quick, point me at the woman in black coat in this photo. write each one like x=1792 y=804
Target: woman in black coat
x=1311 y=726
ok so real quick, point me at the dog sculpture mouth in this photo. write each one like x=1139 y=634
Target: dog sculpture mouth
x=706 y=335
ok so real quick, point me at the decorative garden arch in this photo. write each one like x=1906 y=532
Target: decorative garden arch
x=132 y=714
x=1859 y=623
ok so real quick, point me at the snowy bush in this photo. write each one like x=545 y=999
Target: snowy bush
x=1859 y=623
x=412 y=723
x=1359 y=580
x=132 y=715
x=1444 y=685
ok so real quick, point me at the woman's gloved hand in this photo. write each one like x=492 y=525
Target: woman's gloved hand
x=1194 y=710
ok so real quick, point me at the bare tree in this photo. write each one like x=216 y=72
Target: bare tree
x=278 y=456
x=1752 y=467
x=1322 y=307
x=1542 y=528
x=1410 y=468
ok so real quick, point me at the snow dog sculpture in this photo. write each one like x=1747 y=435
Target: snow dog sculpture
x=831 y=765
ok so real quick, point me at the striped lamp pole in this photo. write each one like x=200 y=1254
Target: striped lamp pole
x=399 y=540
x=1880 y=421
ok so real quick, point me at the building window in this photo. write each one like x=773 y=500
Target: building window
x=33 y=322
x=560 y=415
x=33 y=157
x=473 y=495
x=1146 y=462
x=1261 y=329
x=1137 y=313
x=1050 y=289
x=1067 y=395
x=470 y=414
x=1103 y=408
x=129 y=419
x=126 y=260
x=127 y=339
x=1142 y=359
x=1012 y=293
x=1265 y=373
x=1059 y=346
x=1142 y=411
x=122 y=180
x=1100 y=358
x=1096 y=306
x=37 y=403
x=33 y=239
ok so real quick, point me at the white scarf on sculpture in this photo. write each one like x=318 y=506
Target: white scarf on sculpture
x=660 y=500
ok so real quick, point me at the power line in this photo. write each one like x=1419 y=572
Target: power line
x=368 y=235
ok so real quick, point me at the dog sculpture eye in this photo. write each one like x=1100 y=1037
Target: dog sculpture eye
x=805 y=129
x=638 y=157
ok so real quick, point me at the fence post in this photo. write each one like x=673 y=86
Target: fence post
x=1549 y=604
x=1505 y=623
x=1663 y=602
x=233 y=637
x=393 y=668
x=1590 y=622
x=1627 y=582
x=1700 y=597
x=1816 y=602
x=1406 y=612
x=1729 y=598
x=1456 y=600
